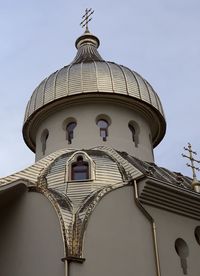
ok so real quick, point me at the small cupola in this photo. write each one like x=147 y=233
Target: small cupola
x=87 y=46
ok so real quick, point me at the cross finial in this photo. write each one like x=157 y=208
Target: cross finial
x=86 y=19
x=192 y=160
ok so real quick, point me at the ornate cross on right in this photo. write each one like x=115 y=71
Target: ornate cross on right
x=192 y=160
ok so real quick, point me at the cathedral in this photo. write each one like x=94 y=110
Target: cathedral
x=94 y=202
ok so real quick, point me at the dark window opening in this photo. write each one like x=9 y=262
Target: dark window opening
x=134 y=132
x=80 y=169
x=103 y=126
x=132 y=129
x=70 y=131
x=197 y=234
x=44 y=137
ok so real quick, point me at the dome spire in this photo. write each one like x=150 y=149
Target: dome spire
x=87 y=43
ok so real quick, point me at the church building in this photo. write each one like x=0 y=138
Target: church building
x=95 y=203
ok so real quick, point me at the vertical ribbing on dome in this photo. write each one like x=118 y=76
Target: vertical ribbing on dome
x=87 y=45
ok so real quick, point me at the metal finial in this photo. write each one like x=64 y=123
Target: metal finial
x=86 y=19
x=192 y=160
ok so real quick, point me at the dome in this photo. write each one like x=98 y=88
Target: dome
x=89 y=75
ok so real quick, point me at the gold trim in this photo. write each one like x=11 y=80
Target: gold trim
x=149 y=217
x=88 y=206
x=49 y=196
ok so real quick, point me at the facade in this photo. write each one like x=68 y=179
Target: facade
x=94 y=202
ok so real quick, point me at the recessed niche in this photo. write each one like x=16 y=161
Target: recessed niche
x=182 y=251
x=197 y=234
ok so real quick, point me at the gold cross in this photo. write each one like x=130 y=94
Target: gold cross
x=86 y=19
x=192 y=160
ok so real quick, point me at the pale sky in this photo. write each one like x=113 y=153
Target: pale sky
x=159 y=39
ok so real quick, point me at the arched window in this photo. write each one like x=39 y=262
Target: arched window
x=80 y=169
x=44 y=137
x=70 y=131
x=103 y=126
x=134 y=128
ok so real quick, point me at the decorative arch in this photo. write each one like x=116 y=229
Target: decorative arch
x=54 y=202
x=81 y=222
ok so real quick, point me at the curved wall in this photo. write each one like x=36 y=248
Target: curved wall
x=30 y=238
x=118 y=239
x=87 y=133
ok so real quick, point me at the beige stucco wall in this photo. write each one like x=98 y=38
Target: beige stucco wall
x=171 y=226
x=30 y=238
x=86 y=134
x=118 y=239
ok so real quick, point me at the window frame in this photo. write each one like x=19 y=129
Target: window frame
x=103 y=129
x=73 y=159
x=70 y=133
x=81 y=163
x=105 y=119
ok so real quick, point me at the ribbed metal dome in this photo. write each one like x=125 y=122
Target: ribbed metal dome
x=89 y=73
x=89 y=77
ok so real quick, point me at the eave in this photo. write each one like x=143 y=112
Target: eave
x=169 y=197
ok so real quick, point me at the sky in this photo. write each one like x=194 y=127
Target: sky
x=159 y=39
